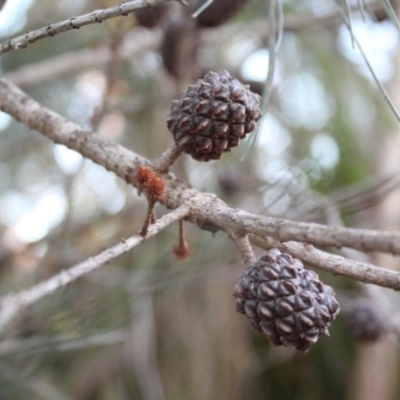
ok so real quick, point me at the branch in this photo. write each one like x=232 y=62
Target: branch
x=336 y=265
x=207 y=211
x=52 y=67
x=98 y=16
x=11 y=304
x=367 y=240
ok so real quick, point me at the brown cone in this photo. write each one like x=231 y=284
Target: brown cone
x=213 y=115
x=286 y=302
x=366 y=321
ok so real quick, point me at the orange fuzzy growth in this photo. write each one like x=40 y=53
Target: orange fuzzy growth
x=150 y=183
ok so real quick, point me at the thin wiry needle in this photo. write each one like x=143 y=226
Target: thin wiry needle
x=206 y=4
x=275 y=28
x=391 y=13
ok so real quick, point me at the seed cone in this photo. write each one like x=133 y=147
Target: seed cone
x=213 y=115
x=231 y=182
x=151 y=16
x=218 y=12
x=179 y=47
x=366 y=322
x=285 y=301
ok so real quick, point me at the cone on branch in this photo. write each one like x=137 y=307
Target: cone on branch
x=285 y=301
x=366 y=321
x=213 y=115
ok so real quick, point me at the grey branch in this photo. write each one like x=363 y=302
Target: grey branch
x=206 y=210
x=12 y=303
x=336 y=265
x=321 y=235
x=98 y=16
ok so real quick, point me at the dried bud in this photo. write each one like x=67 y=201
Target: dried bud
x=150 y=183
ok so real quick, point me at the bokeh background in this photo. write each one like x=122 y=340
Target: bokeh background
x=148 y=326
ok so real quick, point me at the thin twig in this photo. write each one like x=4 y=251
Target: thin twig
x=98 y=16
x=336 y=265
x=11 y=304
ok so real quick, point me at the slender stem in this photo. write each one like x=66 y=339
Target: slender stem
x=243 y=245
x=162 y=163
x=150 y=217
x=181 y=234
x=182 y=250
x=153 y=218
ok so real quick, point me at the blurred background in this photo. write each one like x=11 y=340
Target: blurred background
x=148 y=326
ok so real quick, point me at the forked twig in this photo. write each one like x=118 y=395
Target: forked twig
x=12 y=304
